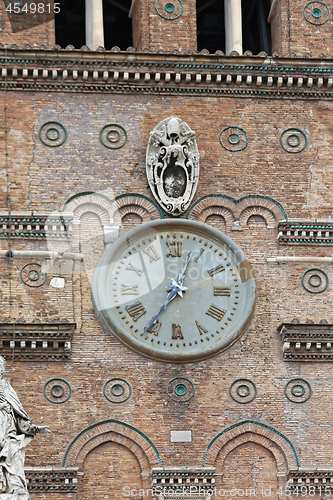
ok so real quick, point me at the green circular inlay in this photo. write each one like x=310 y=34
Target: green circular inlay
x=169 y=8
x=113 y=136
x=33 y=275
x=243 y=390
x=315 y=280
x=52 y=134
x=297 y=390
x=293 y=141
x=180 y=390
x=317 y=13
x=233 y=139
x=57 y=391
x=117 y=390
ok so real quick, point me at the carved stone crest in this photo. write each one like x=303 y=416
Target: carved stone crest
x=172 y=164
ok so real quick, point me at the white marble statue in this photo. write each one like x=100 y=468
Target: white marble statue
x=16 y=431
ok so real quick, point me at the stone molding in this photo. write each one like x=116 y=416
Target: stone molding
x=305 y=232
x=52 y=479
x=307 y=342
x=238 y=211
x=189 y=74
x=257 y=432
x=36 y=341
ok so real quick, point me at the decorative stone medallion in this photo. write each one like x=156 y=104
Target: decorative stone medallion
x=117 y=390
x=316 y=13
x=315 y=281
x=113 y=136
x=172 y=165
x=32 y=275
x=297 y=390
x=180 y=389
x=57 y=391
x=233 y=139
x=293 y=140
x=243 y=390
x=169 y=10
x=52 y=134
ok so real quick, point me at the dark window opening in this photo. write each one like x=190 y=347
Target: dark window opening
x=210 y=25
x=117 y=24
x=70 y=24
x=255 y=28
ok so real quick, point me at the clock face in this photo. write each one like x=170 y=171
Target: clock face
x=174 y=290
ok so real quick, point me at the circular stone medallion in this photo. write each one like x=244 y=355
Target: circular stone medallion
x=243 y=390
x=297 y=390
x=315 y=281
x=52 y=134
x=57 y=391
x=180 y=389
x=117 y=390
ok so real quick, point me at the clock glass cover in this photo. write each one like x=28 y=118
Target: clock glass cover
x=174 y=290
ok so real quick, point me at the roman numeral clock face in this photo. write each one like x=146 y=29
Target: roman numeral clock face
x=175 y=290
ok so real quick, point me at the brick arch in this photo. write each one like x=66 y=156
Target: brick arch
x=213 y=205
x=249 y=431
x=113 y=430
x=266 y=207
x=136 y=204
x=263 y=212
x=82 y=203
x=241 y=209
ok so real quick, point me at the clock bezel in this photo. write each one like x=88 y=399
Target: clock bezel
x=110 y=322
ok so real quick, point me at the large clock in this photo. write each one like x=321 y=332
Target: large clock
x=174 y=290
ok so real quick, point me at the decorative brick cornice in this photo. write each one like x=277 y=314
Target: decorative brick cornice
x=186 y=74
x=36 y=341
x=319 y=478
x=305 y=232
x=52 y=479
x=172 y=479
x=36 y=226
x=307 y=342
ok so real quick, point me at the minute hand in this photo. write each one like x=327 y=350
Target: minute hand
x=181 y=275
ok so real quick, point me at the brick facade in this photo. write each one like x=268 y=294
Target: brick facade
x=68 y=194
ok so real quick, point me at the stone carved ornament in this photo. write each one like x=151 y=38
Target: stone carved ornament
x=172 y=165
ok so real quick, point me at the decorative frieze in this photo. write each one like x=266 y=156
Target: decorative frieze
x=311 y=479
x=307 y=342
x=52 y=479
x=119 y=72
x=176 y=479
x=36 y=341
x=35 y=226
x=305 y=232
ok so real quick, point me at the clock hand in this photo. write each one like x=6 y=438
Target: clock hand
x=175 y=289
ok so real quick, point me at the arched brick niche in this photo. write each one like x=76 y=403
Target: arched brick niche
x=130 y=210
x=111 y=446
x=246 y=443
x=222 y=211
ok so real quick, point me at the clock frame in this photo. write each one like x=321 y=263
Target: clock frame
x=213 y=308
